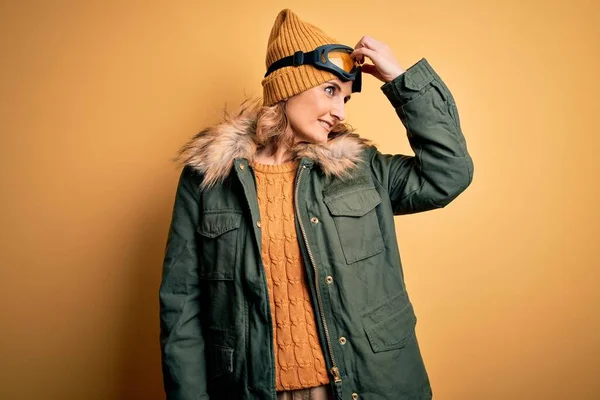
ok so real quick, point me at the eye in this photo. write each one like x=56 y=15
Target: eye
x=330 y=90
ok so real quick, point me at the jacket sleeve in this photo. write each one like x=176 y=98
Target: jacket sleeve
x=182 y=344
x=441 y=167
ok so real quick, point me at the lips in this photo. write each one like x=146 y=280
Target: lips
x=326 y=124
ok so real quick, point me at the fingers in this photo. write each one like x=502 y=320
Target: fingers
x=368 y=46
x=360 y=53
x=385 y=67
x=370 y=43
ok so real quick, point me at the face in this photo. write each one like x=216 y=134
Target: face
x=313 y=113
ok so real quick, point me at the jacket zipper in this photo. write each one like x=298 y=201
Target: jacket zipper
x=335 y=372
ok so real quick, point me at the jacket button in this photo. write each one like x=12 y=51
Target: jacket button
x=329 y=280
x=258 y=223
x=314 y=220
x=343 y=342
x=354 y=396
x=241 y=166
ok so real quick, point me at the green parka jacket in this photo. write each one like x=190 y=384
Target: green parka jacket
x=216 y=331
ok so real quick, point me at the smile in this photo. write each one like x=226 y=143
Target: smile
x=325 y=125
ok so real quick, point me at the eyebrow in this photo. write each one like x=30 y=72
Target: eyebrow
x=347 y=98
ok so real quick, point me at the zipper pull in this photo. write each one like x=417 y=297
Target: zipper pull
x=336 y=374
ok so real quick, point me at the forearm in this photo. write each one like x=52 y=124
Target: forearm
x=441 y=167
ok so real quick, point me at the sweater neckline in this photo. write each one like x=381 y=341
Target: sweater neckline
x=276 y=168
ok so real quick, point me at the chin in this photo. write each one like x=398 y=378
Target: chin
x=322 y=138
x=314 y=139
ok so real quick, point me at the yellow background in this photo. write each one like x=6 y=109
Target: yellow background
x=97 y=96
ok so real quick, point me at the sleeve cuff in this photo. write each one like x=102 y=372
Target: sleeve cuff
x=409 y=84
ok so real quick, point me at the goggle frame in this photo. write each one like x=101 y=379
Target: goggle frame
x=315 y=58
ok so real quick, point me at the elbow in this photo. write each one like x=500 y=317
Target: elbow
x=457 y=182
x=463 y=180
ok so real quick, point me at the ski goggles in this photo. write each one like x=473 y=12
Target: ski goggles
x=334 y=58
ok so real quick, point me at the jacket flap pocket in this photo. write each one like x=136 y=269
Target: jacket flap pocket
x=396 y=327
x=220 y=360
x=353 y=204
x=216 y=223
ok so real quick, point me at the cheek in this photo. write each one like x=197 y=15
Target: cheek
x=304 y=111
x=303 y=115
x=294 y=119
x=321 y=107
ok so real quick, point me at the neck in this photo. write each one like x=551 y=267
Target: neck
x=267 y=157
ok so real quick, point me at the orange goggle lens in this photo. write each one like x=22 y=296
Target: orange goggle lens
x=341 y=59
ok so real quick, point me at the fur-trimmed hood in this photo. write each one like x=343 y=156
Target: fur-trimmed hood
x=212 y=151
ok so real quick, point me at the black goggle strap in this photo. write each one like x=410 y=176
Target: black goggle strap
x=299 y=58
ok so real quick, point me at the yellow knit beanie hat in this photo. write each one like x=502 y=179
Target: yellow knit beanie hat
x=289 y=35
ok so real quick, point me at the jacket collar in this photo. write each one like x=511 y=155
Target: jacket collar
x=212 y=151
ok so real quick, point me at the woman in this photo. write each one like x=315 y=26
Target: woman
x=282 y=277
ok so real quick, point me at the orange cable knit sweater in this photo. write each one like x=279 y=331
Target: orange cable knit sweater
x=298 y=353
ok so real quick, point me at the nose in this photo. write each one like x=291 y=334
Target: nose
x=338 y=110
